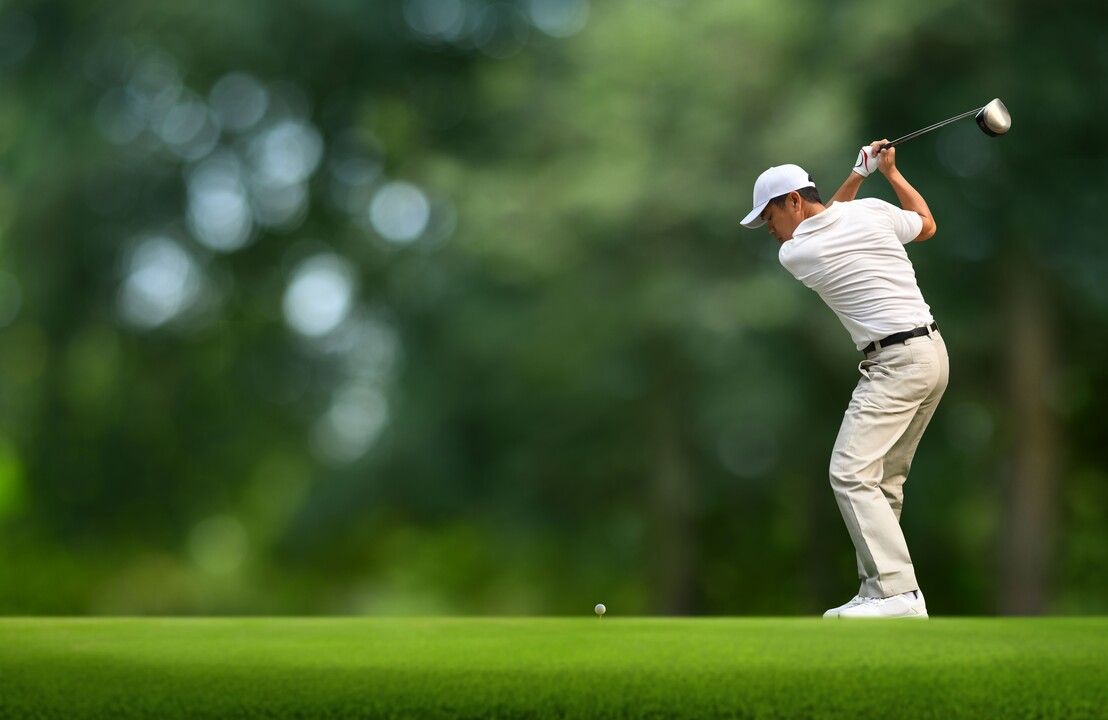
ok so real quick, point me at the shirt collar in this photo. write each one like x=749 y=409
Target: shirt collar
x=819 y=220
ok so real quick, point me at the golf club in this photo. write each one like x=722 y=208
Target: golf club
x=993 y=119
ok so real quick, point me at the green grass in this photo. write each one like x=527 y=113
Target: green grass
x=535 y=668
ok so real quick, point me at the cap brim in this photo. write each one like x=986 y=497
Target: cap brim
x=754 y=219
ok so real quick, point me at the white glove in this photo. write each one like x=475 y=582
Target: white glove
x=866 y=162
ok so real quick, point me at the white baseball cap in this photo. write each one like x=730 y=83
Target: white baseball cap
x=779 y=180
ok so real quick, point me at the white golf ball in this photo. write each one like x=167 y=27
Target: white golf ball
x=600 y=609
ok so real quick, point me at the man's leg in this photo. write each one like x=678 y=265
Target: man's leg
x=896 y=382
x=899 y=460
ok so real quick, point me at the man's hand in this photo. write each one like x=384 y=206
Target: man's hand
x=867 y=160
x=886 y=159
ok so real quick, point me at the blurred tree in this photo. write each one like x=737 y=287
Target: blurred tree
x=442 y=306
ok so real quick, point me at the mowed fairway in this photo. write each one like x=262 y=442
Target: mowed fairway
x=567 y=668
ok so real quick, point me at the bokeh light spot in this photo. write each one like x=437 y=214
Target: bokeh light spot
x=357 y=416
x=559 y=18
x=239 y=101
x=219 y=214
x=370 y=347
x=281 y=207
x=286 y=153
x=162 y=282
x=439 y=19
x=400 y=212
x=189 y=130
x=319 y=296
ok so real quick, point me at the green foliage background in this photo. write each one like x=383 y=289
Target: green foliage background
x=581 y=381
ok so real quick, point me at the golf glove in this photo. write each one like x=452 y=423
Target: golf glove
x=866 y=163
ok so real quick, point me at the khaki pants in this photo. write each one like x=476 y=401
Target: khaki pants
x=900 y=388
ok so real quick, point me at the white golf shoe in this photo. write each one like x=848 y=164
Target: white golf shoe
x=907 y=605
x=834 y=612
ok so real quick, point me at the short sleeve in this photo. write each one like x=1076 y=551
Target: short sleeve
x=906 y=224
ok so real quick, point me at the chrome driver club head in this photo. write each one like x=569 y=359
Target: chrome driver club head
x=993 y=119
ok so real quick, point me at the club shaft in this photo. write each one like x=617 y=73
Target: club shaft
x=929 y=128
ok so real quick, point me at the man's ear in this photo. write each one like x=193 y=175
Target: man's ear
x=794 y=199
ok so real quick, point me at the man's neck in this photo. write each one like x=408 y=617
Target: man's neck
x=812 y=209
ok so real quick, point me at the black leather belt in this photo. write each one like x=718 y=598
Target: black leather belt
x=897 y=338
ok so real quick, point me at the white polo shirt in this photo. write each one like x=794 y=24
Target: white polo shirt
x=853 y=255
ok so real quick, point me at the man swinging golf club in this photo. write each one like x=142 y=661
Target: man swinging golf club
x=852 y=252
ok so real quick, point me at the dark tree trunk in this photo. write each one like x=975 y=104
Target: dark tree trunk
x=1033 y=476
x=674 y=544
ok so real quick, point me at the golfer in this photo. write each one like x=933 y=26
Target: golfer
x=852 y=252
